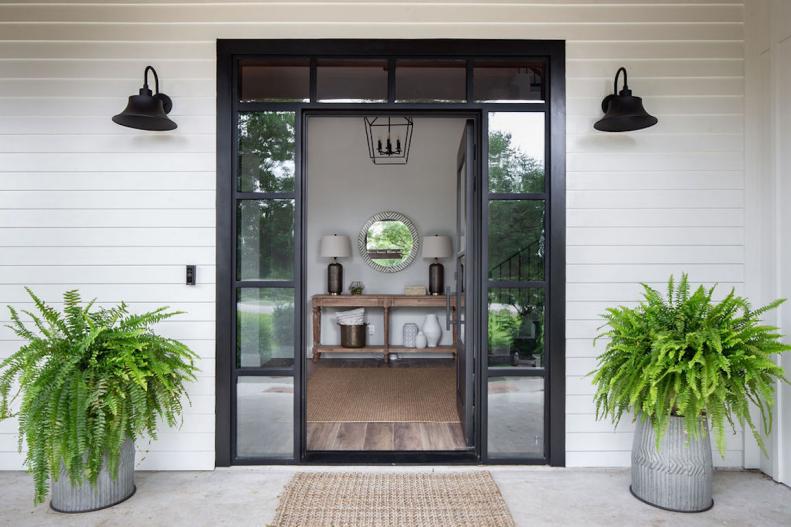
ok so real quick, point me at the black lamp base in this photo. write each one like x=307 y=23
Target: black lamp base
x=335 y=278
x=436 y=279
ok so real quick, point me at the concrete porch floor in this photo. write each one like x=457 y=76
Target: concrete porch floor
x=536 y=497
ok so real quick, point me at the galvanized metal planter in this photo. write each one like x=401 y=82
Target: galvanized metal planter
x=107 y=491
x=678 y=476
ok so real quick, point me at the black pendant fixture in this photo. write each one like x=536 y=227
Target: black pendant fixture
x=623 y=112
x=389 y=139
x=147 y=111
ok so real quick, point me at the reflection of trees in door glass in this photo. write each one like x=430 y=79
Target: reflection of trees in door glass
x=388 y=242
x=265 y=327
x=265 y=243
x=266 y=152
x=516 y=240
x=516 y=152
x=516 y=327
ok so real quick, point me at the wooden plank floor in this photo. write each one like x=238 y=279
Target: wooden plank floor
x=385 y=436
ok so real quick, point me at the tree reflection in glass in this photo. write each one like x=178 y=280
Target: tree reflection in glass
x=516 y=152
x=516 y=327
x=266 y=152
x=265 y=239
x=388 y=242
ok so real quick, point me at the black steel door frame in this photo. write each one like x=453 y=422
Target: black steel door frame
x=229 y=52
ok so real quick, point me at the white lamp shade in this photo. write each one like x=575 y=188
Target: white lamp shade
x=335 y=246
x=437 y=247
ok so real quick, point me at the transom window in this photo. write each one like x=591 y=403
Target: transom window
x=403 y=80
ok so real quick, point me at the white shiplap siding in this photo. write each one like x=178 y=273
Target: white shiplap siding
x=118 y=213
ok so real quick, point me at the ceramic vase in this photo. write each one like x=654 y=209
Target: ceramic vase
x=410 y=334
x=432 y=330
x=420 y=341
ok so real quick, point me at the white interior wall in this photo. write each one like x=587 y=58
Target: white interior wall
x=345 y=189
x=768 y=134
x=118 y=213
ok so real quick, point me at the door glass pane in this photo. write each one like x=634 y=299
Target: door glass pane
x=265 y=417
x=351 y=81
x=431 y=81
x=516 y=240
x=265 y=239
x=266 y=152
x=265 y=327
x=516 y=152
x=278 y=80
x=516 y=417
x=515 y=329
x=508 y=81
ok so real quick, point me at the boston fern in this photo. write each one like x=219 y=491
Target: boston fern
x=689 y=356
x=89 y=379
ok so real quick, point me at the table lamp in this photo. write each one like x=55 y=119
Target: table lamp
x=335 y=246
x=436 y=247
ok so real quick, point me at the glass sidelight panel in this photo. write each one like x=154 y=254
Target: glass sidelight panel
x=516 y=417
x=351 y=80
x=265 y=417
x=516 y=240
x=265 y=327
x=265 y=239
x=515 y=327
x=274 y=80
x=266 y=152
x=424 y=80
x=516 y=152
x=509 y=80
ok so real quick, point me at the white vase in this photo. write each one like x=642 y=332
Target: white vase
x=432 y=330
x=420 y=340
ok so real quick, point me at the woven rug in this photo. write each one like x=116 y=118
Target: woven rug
x=360 y=499
x=374 y=395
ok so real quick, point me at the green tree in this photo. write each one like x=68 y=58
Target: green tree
x=516 y=228
x=510 y=169
x=266 y=152
x=391 y=236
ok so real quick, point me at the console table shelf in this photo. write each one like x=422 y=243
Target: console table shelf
x=387 y=303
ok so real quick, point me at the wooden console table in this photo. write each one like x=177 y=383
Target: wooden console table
x=387 y=303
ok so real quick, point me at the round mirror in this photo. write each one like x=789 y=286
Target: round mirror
x=388 y=242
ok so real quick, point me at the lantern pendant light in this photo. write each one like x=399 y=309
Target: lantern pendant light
x=147 y=111
x=623 y=112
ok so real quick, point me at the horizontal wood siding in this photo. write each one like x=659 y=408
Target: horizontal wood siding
x=118 y=213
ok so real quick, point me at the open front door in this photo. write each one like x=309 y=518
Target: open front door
x=465 y=239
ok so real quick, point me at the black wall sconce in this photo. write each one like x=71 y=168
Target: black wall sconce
x=623 y=112
x=147 y=111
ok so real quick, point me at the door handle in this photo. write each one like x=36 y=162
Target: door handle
x=447 y=308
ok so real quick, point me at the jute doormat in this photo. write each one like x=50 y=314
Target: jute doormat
x=361 y=499
x=375 y=395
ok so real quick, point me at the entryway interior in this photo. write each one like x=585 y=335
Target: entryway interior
x=385 y=396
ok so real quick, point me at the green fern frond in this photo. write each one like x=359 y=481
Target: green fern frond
x=89 y=379
x=688 y=356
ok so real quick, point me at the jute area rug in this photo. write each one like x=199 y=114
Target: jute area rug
x=381 y=395
x=361 y=499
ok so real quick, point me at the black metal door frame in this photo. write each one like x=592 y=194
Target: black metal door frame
x=229 y=52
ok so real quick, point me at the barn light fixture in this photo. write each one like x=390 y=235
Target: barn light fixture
x=147 y=111
x=623 y=112
x=388 y=139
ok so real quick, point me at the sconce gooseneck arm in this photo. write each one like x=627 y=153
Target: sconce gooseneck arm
x=625 y=81
x=156 y=78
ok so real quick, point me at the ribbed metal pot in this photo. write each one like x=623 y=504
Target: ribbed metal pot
x=676 y=477
x=107 y=491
